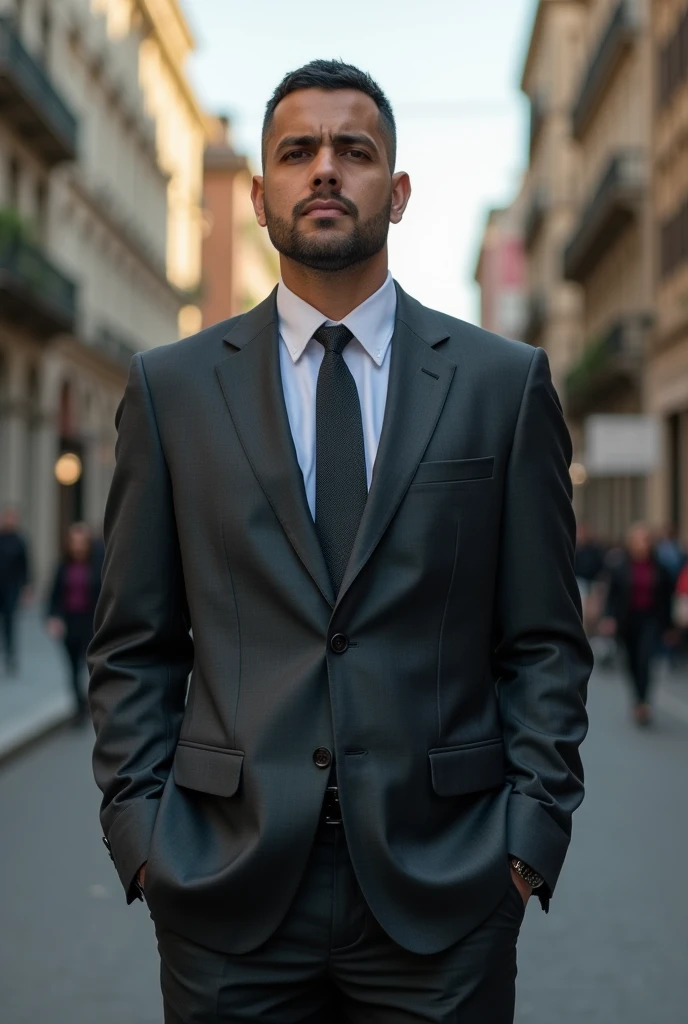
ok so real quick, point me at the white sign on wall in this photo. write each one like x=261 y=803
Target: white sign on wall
x=617 y=445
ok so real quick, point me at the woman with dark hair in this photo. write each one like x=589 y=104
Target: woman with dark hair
x=72 y=604
x=638 y=610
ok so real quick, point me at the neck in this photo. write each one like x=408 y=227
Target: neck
x=335 y=294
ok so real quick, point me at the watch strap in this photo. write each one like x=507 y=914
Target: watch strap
x=531 y=877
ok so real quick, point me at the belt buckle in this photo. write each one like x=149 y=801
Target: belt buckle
x=331 y=808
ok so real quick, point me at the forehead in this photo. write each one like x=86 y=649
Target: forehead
x=316 y=111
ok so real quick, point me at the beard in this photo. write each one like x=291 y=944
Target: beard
x=332 y=251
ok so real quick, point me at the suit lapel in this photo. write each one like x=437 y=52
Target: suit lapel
x=419 y=380
x=252 y=387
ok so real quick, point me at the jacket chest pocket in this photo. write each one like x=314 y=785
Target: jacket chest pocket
x=454 y=471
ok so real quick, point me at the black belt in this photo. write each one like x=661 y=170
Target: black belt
x=331 y=813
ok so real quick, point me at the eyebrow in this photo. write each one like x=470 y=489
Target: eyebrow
x=341 y=139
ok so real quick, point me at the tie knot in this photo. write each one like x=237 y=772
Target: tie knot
x=333 y=339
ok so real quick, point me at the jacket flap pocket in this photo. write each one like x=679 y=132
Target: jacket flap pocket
x=212 y=770
x=454 y=471
x=467 y=769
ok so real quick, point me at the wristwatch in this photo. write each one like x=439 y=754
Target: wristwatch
x=527 y=874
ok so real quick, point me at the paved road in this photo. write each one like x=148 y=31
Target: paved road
x=613 y=950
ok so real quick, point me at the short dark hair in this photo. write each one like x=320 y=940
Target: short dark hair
x=335 y=74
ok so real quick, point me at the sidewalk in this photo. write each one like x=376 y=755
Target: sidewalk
x=39 y=697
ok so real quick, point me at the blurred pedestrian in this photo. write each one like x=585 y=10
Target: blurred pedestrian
x=588 y=565
x=14 y=576
x=73 y=598
x=638 y=611
x=670 y=552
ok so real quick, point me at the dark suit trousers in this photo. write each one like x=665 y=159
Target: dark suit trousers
x=329 y=961
x=640 y=636
x=9 y=599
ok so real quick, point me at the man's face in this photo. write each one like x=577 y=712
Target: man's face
x=328 y=195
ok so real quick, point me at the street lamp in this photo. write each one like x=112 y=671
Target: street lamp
x=579 y=474
x=68 y=469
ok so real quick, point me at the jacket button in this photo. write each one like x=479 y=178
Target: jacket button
x=322 y=757
x=339 y=643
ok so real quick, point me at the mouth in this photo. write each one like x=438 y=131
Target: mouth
x=325 y=209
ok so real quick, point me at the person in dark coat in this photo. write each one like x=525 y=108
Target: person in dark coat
x=73 y=598
x=588 y=566
x=14 y=575
x=638 y=610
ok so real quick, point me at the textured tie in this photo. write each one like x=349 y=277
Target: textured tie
x=341 y=486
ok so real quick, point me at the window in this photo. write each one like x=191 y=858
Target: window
x=46 y=34
x=673 y=63
x=13 y=182
x=42 y=209
x=674 y=241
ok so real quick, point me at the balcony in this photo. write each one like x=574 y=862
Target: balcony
x=621 y=32
x=33 y=293
x=614 y=206
x=115 y=345
x=29 y=101
x=609 y=365
x=535 y=217
x=536 y=318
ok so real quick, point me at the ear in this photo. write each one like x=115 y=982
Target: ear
x=401 y=193
x=258 y=199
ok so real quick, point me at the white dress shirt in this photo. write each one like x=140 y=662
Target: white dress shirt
x=367 y=355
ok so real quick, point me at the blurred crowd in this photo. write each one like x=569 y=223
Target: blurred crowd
x=635 y=604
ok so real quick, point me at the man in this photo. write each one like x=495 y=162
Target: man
x=14 y=574
x=362 y=509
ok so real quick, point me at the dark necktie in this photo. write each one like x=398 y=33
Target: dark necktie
x=341 y=486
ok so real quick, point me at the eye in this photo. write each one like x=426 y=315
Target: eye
x=295 y=154
x=357 y=154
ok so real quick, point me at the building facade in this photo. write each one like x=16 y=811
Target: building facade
x=667 y=381
x=501 y=273
x=92 y=267
x=240 y=266
x=610 y=253
x=550 y=192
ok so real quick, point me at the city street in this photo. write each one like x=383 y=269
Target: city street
x=613 y=949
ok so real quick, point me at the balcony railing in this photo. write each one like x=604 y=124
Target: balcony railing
x=535 y=217
x=536 y=318
x=33 y=292
x=609 y=364
x=30 y=102
x=614 y=205
x=621 y=31
x=116 y=345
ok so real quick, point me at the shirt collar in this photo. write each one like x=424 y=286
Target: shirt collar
x=371 y=323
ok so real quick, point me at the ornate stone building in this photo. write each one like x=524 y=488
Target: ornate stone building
x=667 y=383
x=240 y=266
x=100 y=236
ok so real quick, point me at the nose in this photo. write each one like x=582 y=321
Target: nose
x=325 y=172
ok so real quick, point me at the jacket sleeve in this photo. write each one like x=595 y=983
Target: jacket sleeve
x=141 y=653
x=542 y=657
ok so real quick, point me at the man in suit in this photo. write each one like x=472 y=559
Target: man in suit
x=360 y=508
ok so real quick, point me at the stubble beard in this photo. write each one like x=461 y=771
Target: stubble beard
x=332 y=251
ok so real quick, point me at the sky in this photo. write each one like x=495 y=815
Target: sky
x=451 y=69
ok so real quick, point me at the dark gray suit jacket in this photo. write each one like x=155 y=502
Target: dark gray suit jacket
x=457 y=709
